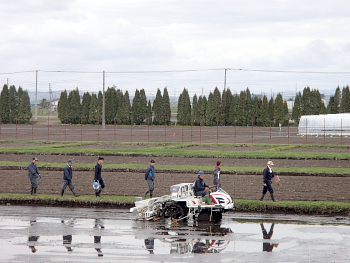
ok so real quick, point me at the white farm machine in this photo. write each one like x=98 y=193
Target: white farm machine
x=182 y=204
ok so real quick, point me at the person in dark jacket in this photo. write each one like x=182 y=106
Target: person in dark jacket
x=216 y=173
x=201 y=188
x=33 y=173
x=150 y=176
x=67 y=178
x=98 y=176
x=268 y=174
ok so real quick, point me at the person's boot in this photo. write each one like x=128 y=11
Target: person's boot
x=208 y=200
x=262 y=197
x=34 y=191
x=150 y=194
x=96 y=193
x=75 y=194
x=273 y=198
x=99 y=193
x=62 y=192
x=145 y=194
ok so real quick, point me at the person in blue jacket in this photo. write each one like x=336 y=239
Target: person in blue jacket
x=98 y=176
x=267 y=177
x=67 y=178
x=149 y=176
x=33 y=173
x=201 y=188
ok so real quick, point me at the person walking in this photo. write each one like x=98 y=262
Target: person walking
x=149 y=176
x=267 y=177
x=98 y=176
x=33 y=173
x=67 y=178
x=201 y=188
x=216 y=173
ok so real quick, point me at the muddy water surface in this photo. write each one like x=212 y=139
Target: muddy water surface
x=39 y=234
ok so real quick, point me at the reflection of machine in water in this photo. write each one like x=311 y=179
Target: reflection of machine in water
x=198 y=246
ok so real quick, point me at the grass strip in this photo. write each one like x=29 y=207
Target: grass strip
x=174 y=152
x=180 y=168
x=299 y=207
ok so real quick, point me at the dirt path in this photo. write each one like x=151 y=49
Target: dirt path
x=133 y=184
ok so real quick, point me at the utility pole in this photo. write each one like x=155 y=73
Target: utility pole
x=36 y=95
x=225 y=79
x=103 y=103
x=51 y=100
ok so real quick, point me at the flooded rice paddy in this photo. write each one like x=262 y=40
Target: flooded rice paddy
x=50 y=234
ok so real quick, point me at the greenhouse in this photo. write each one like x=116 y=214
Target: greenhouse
x=325 y=124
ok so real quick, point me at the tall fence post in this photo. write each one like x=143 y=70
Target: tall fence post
x=115 y=135
x=48 y=128
x=98 y=129
x=252 y=132
x=165 y=129
x=191 y=128
x=182 y=130
x=131 y=129
x=148 y=127
x=16 y=128
x=324 y=131
x=81 y=128
x=270 y=131
x=200 y=130
x=288 y=131
x=217 y=130
x=235 y=121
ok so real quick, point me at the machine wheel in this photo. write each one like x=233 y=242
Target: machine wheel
x=205 y=216
x=173 y=210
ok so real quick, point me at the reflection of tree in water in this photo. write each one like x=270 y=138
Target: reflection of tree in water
x=267 y=246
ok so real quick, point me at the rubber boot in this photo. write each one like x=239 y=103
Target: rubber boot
x=96 y=193
x=273 y=198
x=208 y=200
x=150 y=194
x=62 y=192
x=99 y=193
x=262 y=197
x=75 y=194
x=34 y=192
x=31 y=190
x=145 y=195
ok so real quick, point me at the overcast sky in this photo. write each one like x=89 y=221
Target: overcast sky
x=136 y=41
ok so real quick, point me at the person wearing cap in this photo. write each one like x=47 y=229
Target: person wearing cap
x=33 y=173
x=98 y=176
x=216 y=173
x=268 y=174
x=67 y=178
x=149 y=177
x=201 y=188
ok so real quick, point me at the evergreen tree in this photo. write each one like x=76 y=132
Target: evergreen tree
x=241 y=109
x=248 y=107
x=86 y=107
x=305 y=102
x=24 y=111
x=233 y=110
x=93 y=109
x=110 y=105
x=334 y=102
x=280 y=113
x=75 y=112
x=20 y=93
x=184 y=108
x=123 y=112
x=296 y=112
x=202 y=104
x=195 y=110
x=264 y=118
x=4 y=105
x=143 y=107
x=166 y=105
x=222 y=120
x=209 y=120
x=135 y=111
x=213 y=113
x=99 y=107
x=255 y=110
x=63 y=107
x=13 y=104
x=158 y=109
x=226 y=108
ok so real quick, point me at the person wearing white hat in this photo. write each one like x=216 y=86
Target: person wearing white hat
x=268 y=174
